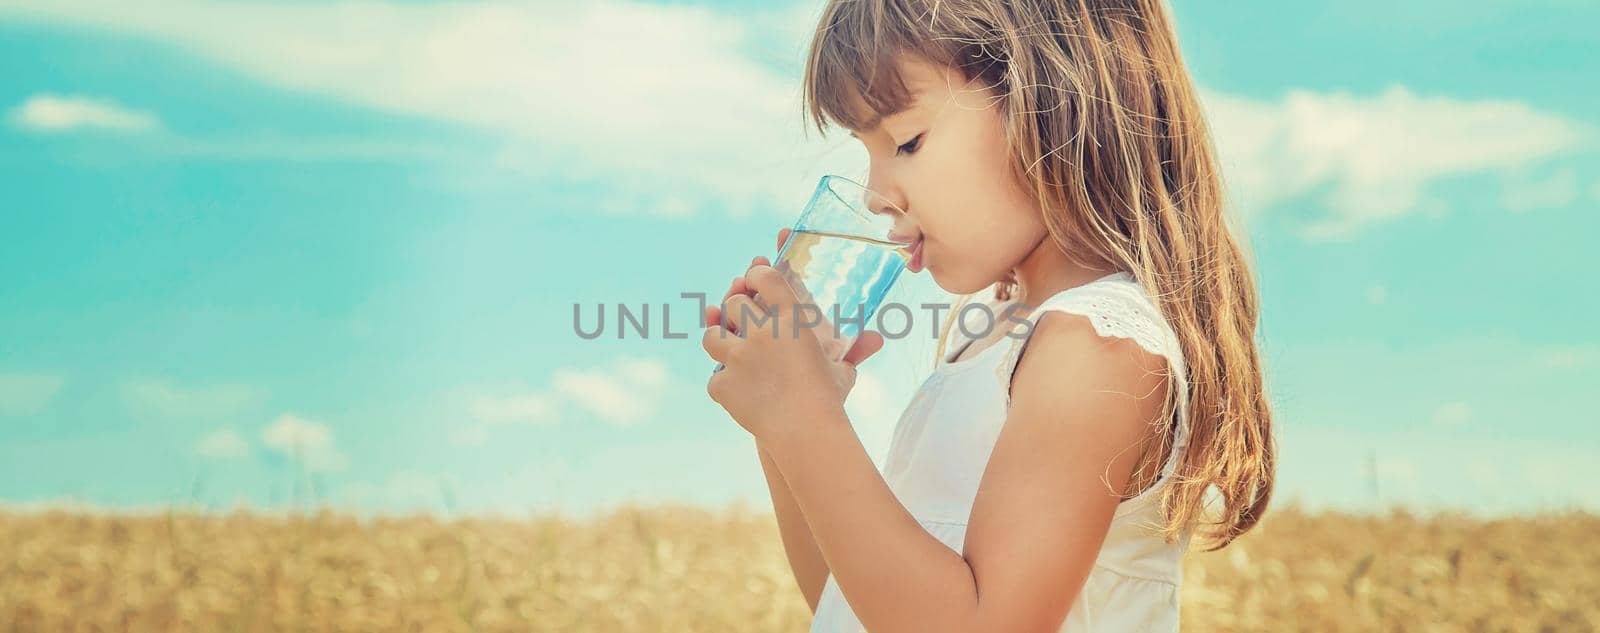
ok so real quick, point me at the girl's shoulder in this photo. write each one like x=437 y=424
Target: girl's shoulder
x=1118 y=306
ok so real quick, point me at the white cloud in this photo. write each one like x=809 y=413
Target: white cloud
x=641 y=373
x=27 y=393
x=1519 y=193
x=165 y=399
x=306 y=442
x=490 y=411
x=470 y=435
x=58 y=113
x=593 y=93
x=626 y=393
x=527 y=408
x=665 y=105
x=1370 y=159
x=222 y=444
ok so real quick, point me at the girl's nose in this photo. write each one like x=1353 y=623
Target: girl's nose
x=881 y=204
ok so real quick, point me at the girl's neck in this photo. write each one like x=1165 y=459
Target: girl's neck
x=1047 y=271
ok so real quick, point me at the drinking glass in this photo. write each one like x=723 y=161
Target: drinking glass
x=839 y=258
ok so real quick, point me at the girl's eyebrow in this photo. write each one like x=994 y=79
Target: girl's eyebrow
x=878 y=120
x=916 y=98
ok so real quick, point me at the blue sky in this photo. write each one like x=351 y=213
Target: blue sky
x=312 y=252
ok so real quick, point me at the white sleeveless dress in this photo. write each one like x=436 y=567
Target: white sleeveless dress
x=942 y=443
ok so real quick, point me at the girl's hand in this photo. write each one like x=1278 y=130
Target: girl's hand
x=773 y=368
x=869 y=343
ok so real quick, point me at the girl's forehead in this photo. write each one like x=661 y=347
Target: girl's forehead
x=921 y=76
x=920 y=73
x=922 y=81
x=875 y=121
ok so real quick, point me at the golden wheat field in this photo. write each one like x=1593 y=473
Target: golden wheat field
x=690 y=569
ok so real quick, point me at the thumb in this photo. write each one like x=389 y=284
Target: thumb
x=865 y=346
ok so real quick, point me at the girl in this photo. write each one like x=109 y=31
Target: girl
x=1052 y=155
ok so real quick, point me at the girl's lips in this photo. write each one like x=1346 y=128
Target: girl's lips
x=915 y=265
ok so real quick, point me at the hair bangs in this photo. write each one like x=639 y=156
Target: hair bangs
x=852 y=76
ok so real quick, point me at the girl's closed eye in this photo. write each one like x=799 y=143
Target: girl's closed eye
x=910 y=147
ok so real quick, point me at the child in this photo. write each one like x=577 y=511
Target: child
x=1049 y=476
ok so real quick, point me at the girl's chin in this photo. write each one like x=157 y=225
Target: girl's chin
x=955 y=286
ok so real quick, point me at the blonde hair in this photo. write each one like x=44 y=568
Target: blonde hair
x=1104 y=127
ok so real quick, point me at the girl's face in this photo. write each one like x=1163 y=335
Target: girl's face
x=944 y=162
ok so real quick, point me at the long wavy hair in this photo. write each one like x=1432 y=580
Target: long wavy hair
x=1106 y=131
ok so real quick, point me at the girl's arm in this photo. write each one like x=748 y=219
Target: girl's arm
x=1081 y=408
x=810 y=570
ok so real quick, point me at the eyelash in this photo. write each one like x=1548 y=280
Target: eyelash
x=914 y=144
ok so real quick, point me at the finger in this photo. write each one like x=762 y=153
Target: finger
x=716 y=386
x=739 y=287
x=735 y=287
x=783 y=235
x=770 y=284
x=742 y=314
x=713 y=316
x=865 y=346
x=718 y=342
